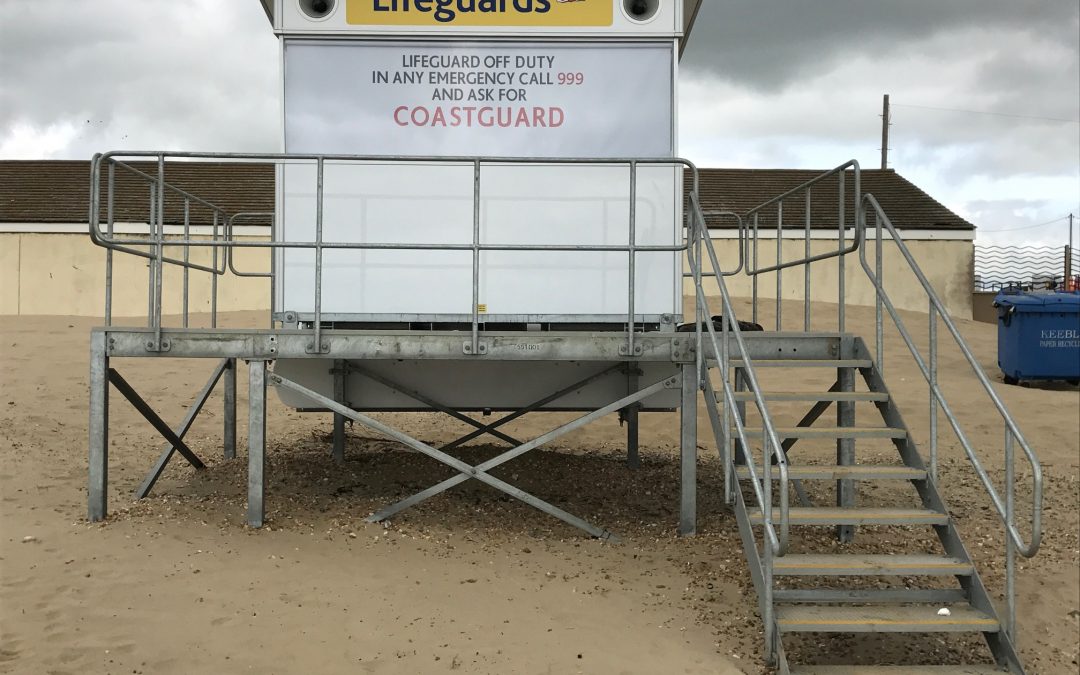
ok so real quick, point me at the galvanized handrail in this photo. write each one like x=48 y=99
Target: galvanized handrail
x=1014 y=540
x=775 y=544
x=156 y=241
x=771 y=446
x=752 y=216
x=1027 y=549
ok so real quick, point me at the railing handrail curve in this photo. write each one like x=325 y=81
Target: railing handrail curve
x=1027 y=549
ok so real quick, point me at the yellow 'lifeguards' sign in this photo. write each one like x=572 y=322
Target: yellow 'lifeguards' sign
x=538 y=13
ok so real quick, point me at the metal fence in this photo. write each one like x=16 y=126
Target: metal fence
x=1000 y=267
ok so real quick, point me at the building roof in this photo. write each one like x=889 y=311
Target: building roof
x=49 y=191
x=58 y=192
x=741 y=190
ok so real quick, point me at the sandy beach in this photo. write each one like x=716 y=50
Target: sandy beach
x=471 y=581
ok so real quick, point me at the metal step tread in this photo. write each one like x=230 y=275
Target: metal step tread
x=804 y=363
x=813 y=564
x=813 y=396
x=832 y=432
x=884 y=619
x=896 y=670
x=799 y=515
x=853 y=472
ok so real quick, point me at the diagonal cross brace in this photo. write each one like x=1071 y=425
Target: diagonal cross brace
x=531 y=407
x=422 y=398
x=478 y=472
x=516 y=452
x=181 y=431
x=152 y=417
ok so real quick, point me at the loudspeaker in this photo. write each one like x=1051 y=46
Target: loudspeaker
x=640 y=10
x=316 y=9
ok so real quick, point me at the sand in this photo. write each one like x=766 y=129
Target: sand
x=471 y=581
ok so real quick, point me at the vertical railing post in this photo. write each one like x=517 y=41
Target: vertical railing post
x=316 y=347
x=151 y=264
x=1010 y=546
x=754 y=279
x=476 y=261
x=214 y=274
x=879 y=325
x=630 y=318
x=779 y=261
x=109 y=252
x=159 y=251
x=841 y=231
x=806 y=267
x=767 y=549
x=933 y=393
x=187 y=258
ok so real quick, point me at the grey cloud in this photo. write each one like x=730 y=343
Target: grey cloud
x=196 y=74
x=768 y=44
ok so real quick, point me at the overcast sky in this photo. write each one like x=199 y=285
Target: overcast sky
x=765 y=83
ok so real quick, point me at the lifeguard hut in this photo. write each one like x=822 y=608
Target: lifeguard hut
x=480 y=207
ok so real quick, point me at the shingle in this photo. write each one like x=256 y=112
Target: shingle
x=59 y=191
x=741 y=190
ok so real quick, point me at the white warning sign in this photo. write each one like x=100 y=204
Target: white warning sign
x=537 y=99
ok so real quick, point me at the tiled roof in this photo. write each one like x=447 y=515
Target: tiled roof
x=741 y=190
x=58 y=192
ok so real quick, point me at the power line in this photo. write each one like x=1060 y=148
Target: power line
x=986 y=112
x=1026 y=227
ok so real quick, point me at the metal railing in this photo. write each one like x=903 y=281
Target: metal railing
x=758 y=216
x=928 y=367
x=1004 y=267
x=865 y=205
x=776 y=529
x=223 y=242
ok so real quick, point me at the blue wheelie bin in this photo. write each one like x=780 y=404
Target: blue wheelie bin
x=1039 y=335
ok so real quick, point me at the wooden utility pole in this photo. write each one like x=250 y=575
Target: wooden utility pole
x=885 y=122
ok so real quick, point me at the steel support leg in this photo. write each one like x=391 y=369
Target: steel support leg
x=256 y=441
x=740 y=410
x=229 y=444
x=845 y=451
x=688 y=443
x=339 y=372
x=633 y=459
x=98 y=488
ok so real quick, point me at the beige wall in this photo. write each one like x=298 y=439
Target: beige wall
x=65 y=274
x=948 y=264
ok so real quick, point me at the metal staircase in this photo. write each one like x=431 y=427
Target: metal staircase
x=876 y=478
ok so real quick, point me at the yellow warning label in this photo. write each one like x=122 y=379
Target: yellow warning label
x=481 y=309
x=537 y=13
